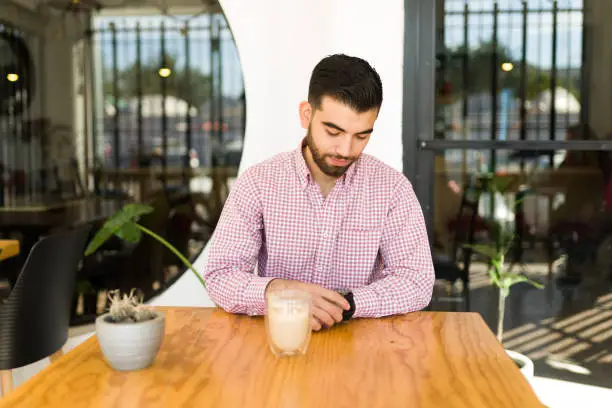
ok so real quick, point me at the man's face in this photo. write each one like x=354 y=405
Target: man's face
x=336 y=134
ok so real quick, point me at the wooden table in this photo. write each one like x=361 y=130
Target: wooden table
x=213 y=359
x=8 y=248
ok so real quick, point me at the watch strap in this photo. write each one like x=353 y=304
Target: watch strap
x=348 y=314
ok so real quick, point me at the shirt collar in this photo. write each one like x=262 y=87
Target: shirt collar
x=349 y=176
x=301 y=166
x=304 y=173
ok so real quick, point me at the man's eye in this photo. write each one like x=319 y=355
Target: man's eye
x=332 y=133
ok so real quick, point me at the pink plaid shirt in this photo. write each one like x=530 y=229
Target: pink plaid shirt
x=368 y=236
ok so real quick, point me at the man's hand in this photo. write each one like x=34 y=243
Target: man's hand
x=327 y=305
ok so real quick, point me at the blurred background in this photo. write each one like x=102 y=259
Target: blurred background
x=106 y=102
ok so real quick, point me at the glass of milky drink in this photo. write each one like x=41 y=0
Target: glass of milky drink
x=288 y=317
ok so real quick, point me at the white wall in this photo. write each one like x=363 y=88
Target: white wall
x=279 y=43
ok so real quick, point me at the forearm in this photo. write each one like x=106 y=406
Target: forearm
x=233 y=253
x=236 y=291
x=400 y=291
x=406 y=282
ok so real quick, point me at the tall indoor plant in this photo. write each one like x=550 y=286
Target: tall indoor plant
x=130 y=334
x=502 y=276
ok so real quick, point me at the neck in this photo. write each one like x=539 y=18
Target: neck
x=325 y=182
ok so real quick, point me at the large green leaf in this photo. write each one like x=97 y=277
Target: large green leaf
x=486 y=250
x=535 y=284
x=116 y=224
x=129 y=232
x=509 y=279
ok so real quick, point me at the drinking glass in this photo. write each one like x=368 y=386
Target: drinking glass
x=288 y=321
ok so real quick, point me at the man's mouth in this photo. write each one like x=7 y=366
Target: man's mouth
x=339 y=162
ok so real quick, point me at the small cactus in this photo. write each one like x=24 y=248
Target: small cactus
x=128 y=308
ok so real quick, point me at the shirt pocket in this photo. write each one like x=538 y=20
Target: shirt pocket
x=357 y=250
x=363 y=222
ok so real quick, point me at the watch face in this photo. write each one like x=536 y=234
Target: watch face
x=16 y=72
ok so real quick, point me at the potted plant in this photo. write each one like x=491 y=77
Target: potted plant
x=502 y=276
x=130 y=334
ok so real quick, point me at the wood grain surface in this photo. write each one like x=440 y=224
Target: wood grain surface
x=8 y=248
x=213 y=359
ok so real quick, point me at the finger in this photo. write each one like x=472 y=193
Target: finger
x=315 y=324
x=331 y=308
x=323 y=317
x=334 y=297
x=330 y=295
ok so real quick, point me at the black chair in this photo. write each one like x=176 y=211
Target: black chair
x=447 y=267
x=34 y=319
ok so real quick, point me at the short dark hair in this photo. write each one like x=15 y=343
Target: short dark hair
x=350 y=80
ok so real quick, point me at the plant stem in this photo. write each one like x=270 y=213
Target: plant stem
x=174 y=251
x=500 y=315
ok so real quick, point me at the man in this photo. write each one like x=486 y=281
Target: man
x=325 y=218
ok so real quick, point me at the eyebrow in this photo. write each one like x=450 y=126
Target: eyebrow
x=338 y=128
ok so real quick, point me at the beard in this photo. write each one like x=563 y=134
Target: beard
x=319 y=159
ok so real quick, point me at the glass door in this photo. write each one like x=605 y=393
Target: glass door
x=506 y=89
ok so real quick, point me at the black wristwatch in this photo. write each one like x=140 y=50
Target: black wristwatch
x=348 y=314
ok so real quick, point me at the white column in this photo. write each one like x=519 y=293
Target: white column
x=279 y=43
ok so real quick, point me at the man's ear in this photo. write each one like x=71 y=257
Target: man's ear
x=305 y=114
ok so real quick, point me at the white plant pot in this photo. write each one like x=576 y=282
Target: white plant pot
x=524 y=364
x=130 y=346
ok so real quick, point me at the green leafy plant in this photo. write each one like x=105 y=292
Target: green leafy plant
x=124 y=224
x=500 y=274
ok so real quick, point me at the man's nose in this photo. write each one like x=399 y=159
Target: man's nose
x=344 y=149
